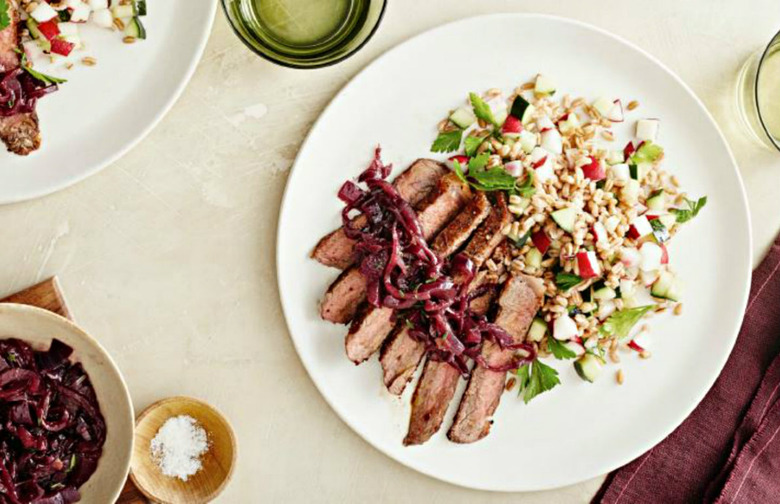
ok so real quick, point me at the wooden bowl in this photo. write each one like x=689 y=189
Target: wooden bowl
x=217 y=462
x=38 y=327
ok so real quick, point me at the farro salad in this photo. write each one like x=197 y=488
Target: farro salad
x=591 y=219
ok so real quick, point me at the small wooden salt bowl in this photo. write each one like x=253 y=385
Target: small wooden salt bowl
x=218 y=461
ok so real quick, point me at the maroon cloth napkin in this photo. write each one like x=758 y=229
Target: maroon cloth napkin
x=728 y=450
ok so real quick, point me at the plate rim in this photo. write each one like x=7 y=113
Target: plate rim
x=286 y=205
x=176 y=93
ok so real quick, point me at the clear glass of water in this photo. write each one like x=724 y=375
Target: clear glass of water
x=758 y=94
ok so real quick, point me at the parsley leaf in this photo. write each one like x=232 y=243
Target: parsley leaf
x=559 y=350
x=482 y=109
x=459 y=171
x=619 y=324
x=27 y=67
x=471 y=144
x=494 y=179
x=5 y=17
x=526 y=189
x=566 y=281
x=646 y=153
x=686 y=214
x=534 y=379
x=478 y=163
x=447 y=141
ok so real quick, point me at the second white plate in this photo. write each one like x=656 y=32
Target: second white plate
x=579 y=430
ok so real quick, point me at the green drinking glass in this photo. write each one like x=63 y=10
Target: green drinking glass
x=304 y=33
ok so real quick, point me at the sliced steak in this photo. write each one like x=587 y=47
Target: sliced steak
x=364 y=338
x=414 y=184
x=20 y=132
x=402 y=354
x=449 y=197
x=518 y=303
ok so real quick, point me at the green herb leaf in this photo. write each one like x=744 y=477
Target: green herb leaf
x=5 y=16
x=619 y=324
x=471 y=144
x=72 y=463
x=447 y=141
x=559 y=349
x=526 y=189
x=459 y=171
x=648 y=152
x=566 y=281
x=478 y=163
x=535 y=378
x=482 y=109
x=26 y=66
x=494 y=179
x=11 y=357
x=692 y=210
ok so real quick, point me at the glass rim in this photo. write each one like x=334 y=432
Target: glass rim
x=291 y=64
x=764 y=54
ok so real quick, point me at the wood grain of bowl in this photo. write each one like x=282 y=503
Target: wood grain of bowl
x=38 y=327
x=218 y=461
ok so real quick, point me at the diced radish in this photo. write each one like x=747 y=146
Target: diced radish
x=640 y=227
x=541 y=241
x=628 y=150
x=606 y=308
x=71 y=4
x=568 y=123
x=621 y=172
x=564 y=328
x=539 y=163
x=102 y=18
x=43 y=12
x=588 y=265
x=514 y=168
x=591 y=343
x=615 y=113
x=62 y=47
x=633 y=345
x=600 y=232
x=642 y=339
x=497 y=105
x=651 y=256
x=630 y=257
x=647 y=129
x=594 y=170
x=648 y=277
x=640 y=209
x=544 y=123
x=552 y=142
x=640 y=297
x=462 y=160
x=543 y=171
x=665 y=255
x=80 y=14
x=98 y=4
x=32 y=49
x=602 y=105
x=49 y=29
x=512 y=126
x=69 y=29
x=612 y=222
x=527 y=141
x=575 y=347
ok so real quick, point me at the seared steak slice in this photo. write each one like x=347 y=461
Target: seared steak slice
x=19 y=132
x=434 y=213
x=489 y=236
x=363 y=338
x=519 y=301
x=414 y=185
x=400 y=356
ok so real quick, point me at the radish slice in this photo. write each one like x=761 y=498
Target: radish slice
x=544 y=123
x=43 y=12
x=564 y=328
x=599 y=232
x=541 y=241
x=640 y=227
x=575 y=347
x=552 y=141
x=594 y=170
x=651 y=256
x=615 y=113
x=606 y=308
x=588 y=265
x=514 y=168
x=630 y=257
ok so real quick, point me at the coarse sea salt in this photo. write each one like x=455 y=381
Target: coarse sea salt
x=178 y=446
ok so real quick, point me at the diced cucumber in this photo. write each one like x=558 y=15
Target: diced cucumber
x=463 y=117
x=135 y=28
x=588 y=367
x=667 y=287
x=538 y=330
x=544 y=86
x=629 y=194
x=604 y=294
x=527 y=141
x=522 y=109
x=32 y=26
x=657 y=200
x=565 y=218
x=141 y=7
x=533 y=258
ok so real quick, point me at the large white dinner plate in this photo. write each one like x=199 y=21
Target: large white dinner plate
x=103 y=111
x=579 y=430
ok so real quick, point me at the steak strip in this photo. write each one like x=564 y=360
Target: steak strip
x=372 y=325
x=439 y=379
x=348 y=291
x=19 y=132
x=519 y=302
x=414 y=184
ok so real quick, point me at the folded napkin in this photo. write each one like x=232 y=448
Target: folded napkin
x=728 y=450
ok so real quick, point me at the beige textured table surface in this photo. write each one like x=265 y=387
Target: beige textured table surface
x=168 y=255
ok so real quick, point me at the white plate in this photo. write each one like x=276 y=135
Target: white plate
x=579 y=430
x=103 y=111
